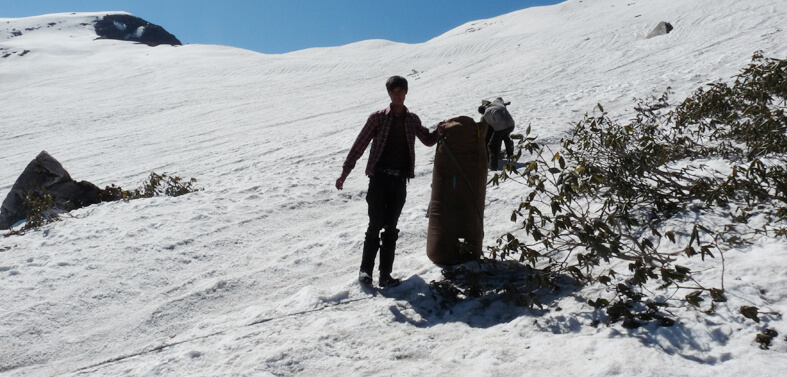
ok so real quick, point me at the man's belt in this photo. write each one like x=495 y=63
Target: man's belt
x=391 y=172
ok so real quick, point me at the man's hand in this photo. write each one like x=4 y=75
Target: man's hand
x=441 y=125
x=340 y=183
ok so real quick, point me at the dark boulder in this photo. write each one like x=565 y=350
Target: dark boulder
x=46 y=173
x=126 y=27
x=663 y=28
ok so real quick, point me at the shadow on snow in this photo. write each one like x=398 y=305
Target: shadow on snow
x=480 y=294
x=489 y=293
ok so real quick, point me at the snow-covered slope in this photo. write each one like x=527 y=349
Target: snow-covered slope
x=256 y=275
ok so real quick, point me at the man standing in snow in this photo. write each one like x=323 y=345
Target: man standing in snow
x=392 y=132
x=497 y=116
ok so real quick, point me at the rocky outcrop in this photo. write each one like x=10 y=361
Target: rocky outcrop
x=663 y=28
x=126 y=27
x=46 y=173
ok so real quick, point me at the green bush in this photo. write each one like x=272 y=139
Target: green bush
x=611 y=192
x=156 y=185
x=40 y=210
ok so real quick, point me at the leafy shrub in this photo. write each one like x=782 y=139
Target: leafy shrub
x=612 y=192
x=157 y=184
x=40 y=210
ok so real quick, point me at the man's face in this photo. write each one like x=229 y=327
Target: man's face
x=397 y=96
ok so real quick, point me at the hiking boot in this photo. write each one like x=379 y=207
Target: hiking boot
x=365 y=278
x=388 y=281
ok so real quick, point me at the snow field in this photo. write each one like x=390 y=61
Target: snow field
x=256 y=275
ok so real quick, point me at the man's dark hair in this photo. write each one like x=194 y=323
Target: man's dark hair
x=484 y=105
x=396 y=82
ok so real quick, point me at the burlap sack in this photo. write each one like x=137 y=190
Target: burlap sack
x=456 y=210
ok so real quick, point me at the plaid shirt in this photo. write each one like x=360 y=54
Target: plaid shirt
x=376 y=131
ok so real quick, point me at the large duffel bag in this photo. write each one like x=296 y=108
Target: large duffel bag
x=456 y=209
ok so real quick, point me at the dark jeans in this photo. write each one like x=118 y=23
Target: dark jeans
x=386 y=197
x=493 y=141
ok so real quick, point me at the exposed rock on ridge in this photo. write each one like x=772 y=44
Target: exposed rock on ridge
x=126 y=27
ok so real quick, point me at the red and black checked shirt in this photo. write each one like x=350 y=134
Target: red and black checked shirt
x=376 y=131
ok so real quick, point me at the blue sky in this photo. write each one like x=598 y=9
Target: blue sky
x=288 y=25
